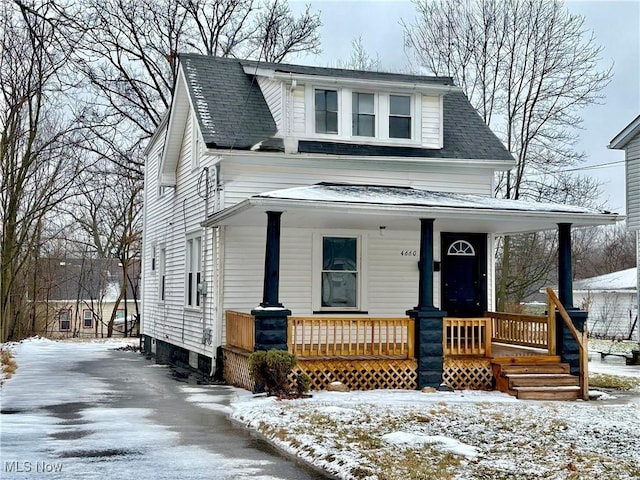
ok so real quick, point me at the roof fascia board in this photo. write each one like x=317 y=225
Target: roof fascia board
x=297 y=157
x=620 y=140
x=223 y=214
x=433 y=88
x=172 y=146
x=576 y=219
x=160 y=129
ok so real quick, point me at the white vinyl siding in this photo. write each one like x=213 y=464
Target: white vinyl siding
x=243 y=179
x=299 y=111
x=432 y=135
x=272 y=92
x=611 y=314
x=633 y=183
x=168 y=218
x=390 y=285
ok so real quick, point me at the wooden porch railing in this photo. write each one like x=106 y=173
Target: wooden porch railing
x=523 y=330
x=466 y=336
x=581 y=339
x=240 y=330
x=316 y=336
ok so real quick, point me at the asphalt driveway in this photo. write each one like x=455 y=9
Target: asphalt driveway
x=78 y=410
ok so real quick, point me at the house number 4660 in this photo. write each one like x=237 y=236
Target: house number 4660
x=409 y=253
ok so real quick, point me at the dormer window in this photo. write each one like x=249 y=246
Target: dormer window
x=364 y=116
x=326 y=107
x=399 y=116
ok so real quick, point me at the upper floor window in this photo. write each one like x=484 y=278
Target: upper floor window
x=399 y=116
x=364 y=116
x=326 y=108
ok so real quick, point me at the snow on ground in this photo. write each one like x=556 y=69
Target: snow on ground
x=59 y=424
x=393 y=434
x=373 y=435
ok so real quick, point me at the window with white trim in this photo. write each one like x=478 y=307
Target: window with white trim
x=193 y=263
x=363 y=123
x=326 y=111
x=64 y=320
x=162 y=274
x=87 y=319
x=461 y=248
x=340 y=273
x=399 y=116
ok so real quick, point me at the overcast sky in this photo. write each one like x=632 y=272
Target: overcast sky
x=616 y=26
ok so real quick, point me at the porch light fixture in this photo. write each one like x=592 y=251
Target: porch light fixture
x=382 y=229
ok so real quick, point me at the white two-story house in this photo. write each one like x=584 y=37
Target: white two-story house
x=283 y=194
x=629 y=141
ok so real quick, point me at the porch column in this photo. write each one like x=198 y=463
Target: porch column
x=427 y=318
x=565 y=268
x=567 y=346
x=271 y=317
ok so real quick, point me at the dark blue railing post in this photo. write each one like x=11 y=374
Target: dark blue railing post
x=566 y=345
x=427 y=318
x=271 y=317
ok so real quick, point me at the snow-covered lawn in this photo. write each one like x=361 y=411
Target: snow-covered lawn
x=405 y=435
x=460 y=435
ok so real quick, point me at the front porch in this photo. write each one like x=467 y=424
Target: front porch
x=369 y=353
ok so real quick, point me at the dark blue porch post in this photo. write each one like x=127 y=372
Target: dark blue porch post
x=427 y=318
x=271 y=316
x=567 y=347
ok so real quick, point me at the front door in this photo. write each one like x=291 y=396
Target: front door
x=464 y=274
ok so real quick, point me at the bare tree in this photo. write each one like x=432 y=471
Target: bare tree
x=279 y=34
x=528 y=68
x=38 y=146
x=360 y=59
x=601 y=250
x=108 y=211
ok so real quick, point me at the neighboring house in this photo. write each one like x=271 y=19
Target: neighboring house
x=612 y=303
x=629 y=141
x=78 y=297
x=294 y=197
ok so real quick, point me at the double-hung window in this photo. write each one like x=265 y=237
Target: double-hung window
x=193 y=264
x=326 y=109
x=363 y=123
x=64 y=320
x=399 y=116
x=340 y=272
x=87 y=319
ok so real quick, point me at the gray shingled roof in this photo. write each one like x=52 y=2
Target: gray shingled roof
x=229 y=104
x=233 y=113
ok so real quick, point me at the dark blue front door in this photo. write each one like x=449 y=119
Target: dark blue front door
x=464 y=274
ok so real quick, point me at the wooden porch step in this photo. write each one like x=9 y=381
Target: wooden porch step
x=527 y=360
x=548 y=393
x=549 y=369
x=541 y=380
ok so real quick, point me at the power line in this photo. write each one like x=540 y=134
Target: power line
x=592 y=167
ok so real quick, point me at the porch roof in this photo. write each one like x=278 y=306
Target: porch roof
x=328 y=205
